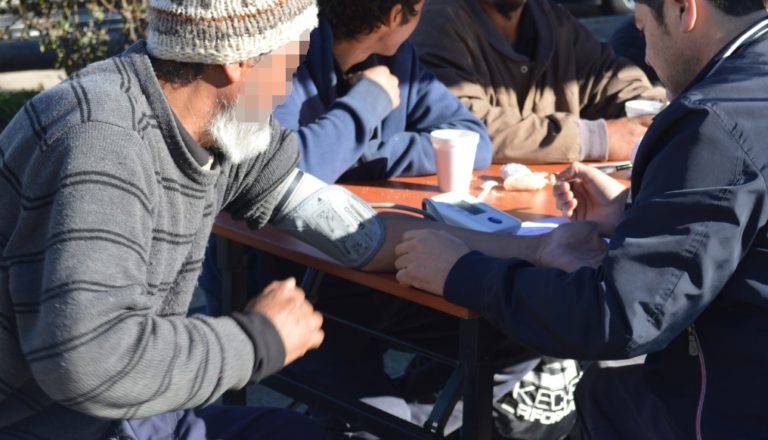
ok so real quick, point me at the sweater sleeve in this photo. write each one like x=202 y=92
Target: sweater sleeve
x=429 y=106
x=334 y=142
x=670 y=257
x=87 y=320
x=253 y=187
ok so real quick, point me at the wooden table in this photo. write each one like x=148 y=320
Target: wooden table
x=472 y=378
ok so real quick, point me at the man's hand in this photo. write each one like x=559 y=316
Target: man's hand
x=384 y=78
x=298 y=324
x=571 y=246
x=585 y=193
x=425 y=257
x=623 y=134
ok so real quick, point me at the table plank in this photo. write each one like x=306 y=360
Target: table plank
x=526 y=205
x=277 y=243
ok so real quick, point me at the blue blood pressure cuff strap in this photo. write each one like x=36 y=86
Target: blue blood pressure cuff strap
x=330 y=218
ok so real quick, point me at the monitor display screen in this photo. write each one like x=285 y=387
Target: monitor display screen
x=468 y=207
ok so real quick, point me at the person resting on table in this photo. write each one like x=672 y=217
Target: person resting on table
x=684 y=278
x=109 y=186
x=546 y=88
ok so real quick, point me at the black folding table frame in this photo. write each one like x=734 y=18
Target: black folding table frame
x=471 y=379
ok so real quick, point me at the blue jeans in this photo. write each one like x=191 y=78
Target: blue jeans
x=221 y=422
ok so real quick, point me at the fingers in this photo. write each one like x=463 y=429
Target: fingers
x=573 y=172
x=405 y=278
x=645 y=120
x=412 y=240
x=409 y=276
x=567 y=174
x=404 y=261
x=565 y=200
x=281 y=285
x=317 y=334
x=382 y=76
x=568 y=208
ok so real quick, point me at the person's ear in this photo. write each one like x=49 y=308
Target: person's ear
x=685 y=14
x=234 y=72
x=395 y=16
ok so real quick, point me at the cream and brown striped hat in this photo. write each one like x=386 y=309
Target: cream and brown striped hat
x=225 y=31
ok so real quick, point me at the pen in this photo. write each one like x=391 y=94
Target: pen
x=608 y=169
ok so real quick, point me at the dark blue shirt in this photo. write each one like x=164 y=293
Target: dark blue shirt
x=688 y=260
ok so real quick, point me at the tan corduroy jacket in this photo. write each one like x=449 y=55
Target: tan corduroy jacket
x=532 y=108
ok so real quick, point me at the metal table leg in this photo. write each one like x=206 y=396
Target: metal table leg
x=230 y=257
x=475 y=356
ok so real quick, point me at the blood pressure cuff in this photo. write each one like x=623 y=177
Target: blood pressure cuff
x=330 y=218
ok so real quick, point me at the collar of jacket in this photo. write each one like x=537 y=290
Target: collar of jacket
x=322 y=65
x=754 y=33
x=541 y=13
x=661 y=122
x=321 y=62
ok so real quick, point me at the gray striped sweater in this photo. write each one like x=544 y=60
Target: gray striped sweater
x=104 y=218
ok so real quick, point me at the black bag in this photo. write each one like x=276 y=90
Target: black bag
x=541 y=406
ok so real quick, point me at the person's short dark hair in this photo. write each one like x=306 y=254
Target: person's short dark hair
x=175 y=72
x=352 y=18
x=734 y=8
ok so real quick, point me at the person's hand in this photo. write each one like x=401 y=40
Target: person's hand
x=425 y=257
x=585 y=193
x=623 y=134
x=296 y=321
x=384 y=78
x=571 y=246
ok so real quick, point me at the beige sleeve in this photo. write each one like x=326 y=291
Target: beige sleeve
x=454 y=57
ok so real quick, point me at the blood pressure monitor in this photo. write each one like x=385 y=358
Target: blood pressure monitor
x=468 y=212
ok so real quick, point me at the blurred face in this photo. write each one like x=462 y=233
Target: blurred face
x=268 y=80
x=395 y=36
x=666 y=51
x=240 y=127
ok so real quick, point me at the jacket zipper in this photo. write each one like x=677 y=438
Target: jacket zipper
x=694 y=349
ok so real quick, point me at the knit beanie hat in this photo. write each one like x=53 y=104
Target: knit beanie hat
x=225 y=31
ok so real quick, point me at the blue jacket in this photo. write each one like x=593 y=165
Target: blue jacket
x=686 y=275
x=356 y=136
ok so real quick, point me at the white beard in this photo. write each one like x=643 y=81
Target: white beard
x=239 y=141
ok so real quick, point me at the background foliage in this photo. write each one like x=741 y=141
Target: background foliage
x=11 y=102
x=80 y=32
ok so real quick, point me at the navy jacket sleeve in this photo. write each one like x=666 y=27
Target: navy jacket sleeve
x=429 y=105
x=697 y=208
x=359 y=130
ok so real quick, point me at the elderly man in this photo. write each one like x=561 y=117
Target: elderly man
x=109 y=185
x=547 y=90
x=684 y=279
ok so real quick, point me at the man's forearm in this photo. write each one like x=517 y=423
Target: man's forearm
x=494 y=245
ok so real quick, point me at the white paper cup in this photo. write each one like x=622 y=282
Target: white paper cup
x=642 y=107
x=454 y=158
